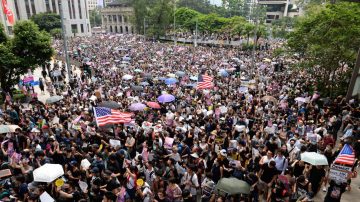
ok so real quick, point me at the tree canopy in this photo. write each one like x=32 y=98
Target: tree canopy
x=327 y=39
x=47 y=21
x=28 y=48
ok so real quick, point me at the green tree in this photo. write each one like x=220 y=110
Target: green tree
x=95 y=18
x=28 y=48
x=56 y=33
x=248 y=30
x=327 y=39
x=160 y=17
x=186 y=18
x=47 y=21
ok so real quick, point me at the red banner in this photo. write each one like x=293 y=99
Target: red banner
x=9 y=14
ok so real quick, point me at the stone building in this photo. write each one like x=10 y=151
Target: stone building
x=116 y=18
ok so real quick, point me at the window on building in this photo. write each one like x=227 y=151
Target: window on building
x=74 y=28
x=125 y=18
x=120 y=18
x=110 y=28
x=114 y=18
x=17 y=9
x=116 y=29
x=110 y=19
x=73 y=8
x=126 y=30
x=132 y=30
x=33 y=7
x=79 y=6
x=27 y=6
x=104 y=18
x=47 y=4
x=82 y=28
x=86 y=11
x=54 y=6
x=121 y=30
x=69 y=7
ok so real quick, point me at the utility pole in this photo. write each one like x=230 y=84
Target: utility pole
x=255 y=11
x=68 y=65
x=174 y=23
x=196 y=33
x=144 y=29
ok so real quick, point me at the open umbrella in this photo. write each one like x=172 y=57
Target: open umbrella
x=180 y=73
x=153 y=105
x=127 y=77
x=171 y=75
x=144 y=83
x=193 y=78
x=138 y=70
x=223 y=73
x=137 y=107
x=48 y=173
x=53 y=99
x=166 y=98
x=137 y=88
x=302 y=99
x=314 y=158
x=268 y=98
x=109 y=104
x=8 y=128
x=147 y=75
x=232 y=186
x=171 y=81
x=85 y=60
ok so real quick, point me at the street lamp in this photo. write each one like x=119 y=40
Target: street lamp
x=68 y=65
x=174 y=22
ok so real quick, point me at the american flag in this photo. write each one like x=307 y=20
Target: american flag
x=104 y=116
x=204 y=82
x=346 y=156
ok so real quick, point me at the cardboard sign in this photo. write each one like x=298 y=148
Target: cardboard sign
x=168 y=142
x=338 y=175
x=114 y=143
x=340 y=167
x=5 y=173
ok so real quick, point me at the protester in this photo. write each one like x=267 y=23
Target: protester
x=226 y=119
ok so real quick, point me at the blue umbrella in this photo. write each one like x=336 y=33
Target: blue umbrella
x=166 y=98
x=170 y=81
x=223 y=73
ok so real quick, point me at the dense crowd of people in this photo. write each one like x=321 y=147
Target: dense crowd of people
x=249 y=125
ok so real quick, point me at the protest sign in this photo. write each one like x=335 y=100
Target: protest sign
x=338 y=175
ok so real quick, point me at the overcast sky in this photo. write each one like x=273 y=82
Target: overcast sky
x=217 y=2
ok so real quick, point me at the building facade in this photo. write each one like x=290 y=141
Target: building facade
x=116 y=18
x=276 y=9
x=76 y=14
x=92 y=4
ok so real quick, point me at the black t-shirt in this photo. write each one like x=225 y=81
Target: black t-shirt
x=268 y=173
x=334 y=192
x=316 y=175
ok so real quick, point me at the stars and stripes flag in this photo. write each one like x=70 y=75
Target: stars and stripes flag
x=346 y=156
x=204 y=82
x=104 y=116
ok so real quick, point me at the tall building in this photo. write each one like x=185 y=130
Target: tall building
x=92 y=4
x=76 y=14
x=116 y=17
x=276 y=9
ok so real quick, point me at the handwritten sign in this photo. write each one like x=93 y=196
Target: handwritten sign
x=338 y=175
x=340 y=167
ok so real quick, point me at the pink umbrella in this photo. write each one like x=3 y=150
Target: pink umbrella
x=154 y=105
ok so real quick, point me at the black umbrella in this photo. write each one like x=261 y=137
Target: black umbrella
x=109 y=104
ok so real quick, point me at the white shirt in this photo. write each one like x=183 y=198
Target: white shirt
x=194 y=181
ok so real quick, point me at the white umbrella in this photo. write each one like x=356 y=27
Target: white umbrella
x=8 y=128
x=300 y=99
x=48 y=172
x=314 y=158
x=171 y=75
x=127 y=77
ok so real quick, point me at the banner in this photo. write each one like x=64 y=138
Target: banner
x=9 y=14
x=338 y=175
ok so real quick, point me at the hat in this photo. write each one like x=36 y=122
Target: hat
x=223 y=153
x=95 y=170
x=195 y=155
x=140 y=182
